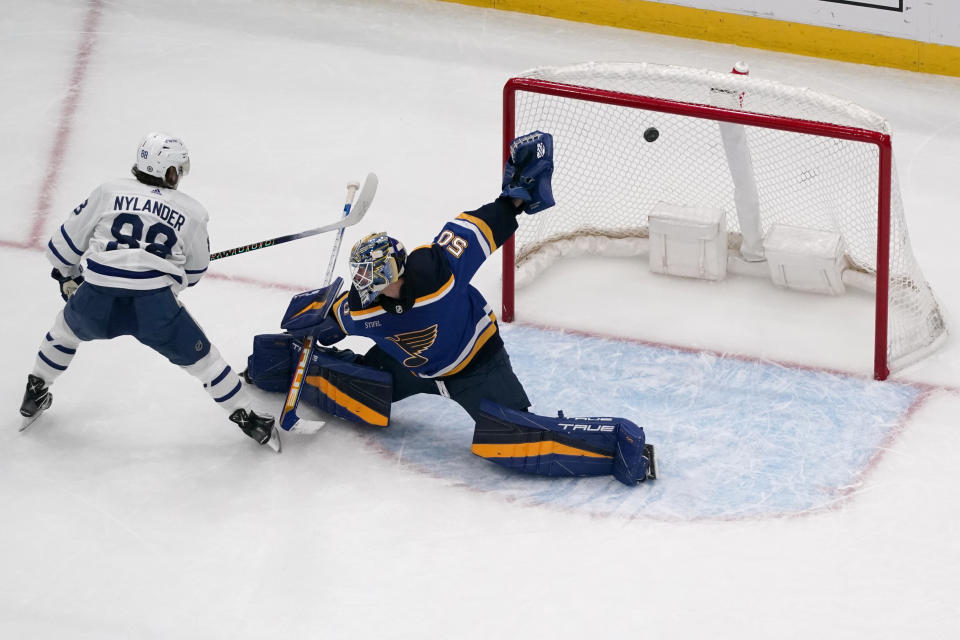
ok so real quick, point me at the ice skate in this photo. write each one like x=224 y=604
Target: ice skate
x=36 y=399
x=261 y=428
x=649 y=454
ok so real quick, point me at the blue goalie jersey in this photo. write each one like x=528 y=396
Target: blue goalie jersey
x=440 y=324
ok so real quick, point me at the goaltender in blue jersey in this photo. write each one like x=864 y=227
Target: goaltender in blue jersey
x=436 y=324
x=433 y=332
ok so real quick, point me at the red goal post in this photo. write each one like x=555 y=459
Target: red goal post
x=614 y=100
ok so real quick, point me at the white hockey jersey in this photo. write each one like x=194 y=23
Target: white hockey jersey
x=130 y=235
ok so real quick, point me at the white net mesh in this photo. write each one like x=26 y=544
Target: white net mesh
x=608 y=177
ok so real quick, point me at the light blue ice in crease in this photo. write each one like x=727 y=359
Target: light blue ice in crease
x=734 y=438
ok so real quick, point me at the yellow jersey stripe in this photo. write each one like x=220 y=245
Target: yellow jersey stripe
x=348 y=402
x=482 y=226
x=482 y=340
x=439 y=292
x=531 y=449
x=359 y=313
x=422 y=300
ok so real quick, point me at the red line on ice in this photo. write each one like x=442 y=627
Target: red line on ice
x=78 y=74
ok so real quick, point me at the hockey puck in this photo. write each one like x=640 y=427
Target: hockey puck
x=651 y=134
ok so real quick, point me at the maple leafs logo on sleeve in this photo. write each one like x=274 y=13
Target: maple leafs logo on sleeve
x=414 y=343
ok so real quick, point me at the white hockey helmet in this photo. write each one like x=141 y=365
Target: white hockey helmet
x=158 y=152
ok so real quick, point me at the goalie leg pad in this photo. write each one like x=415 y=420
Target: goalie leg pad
x=335 y=382
x=272 y=362
x=560 y=446
x=339 y=386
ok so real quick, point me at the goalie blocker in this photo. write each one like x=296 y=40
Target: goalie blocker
x=338 y=383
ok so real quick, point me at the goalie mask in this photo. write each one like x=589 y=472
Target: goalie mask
x=158 y=152
x=376 y=262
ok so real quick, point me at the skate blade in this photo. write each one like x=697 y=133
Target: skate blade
x=653 y=471
x=274 y=441
x=27 y=421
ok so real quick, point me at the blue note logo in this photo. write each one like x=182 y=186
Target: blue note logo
x=414 y=343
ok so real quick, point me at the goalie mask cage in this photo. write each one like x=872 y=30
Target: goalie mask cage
x=819 y=163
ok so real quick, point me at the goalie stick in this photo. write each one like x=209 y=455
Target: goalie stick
x=352 y=217
x=289 y=420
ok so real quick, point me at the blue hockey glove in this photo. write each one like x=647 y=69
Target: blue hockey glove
x=309 y=314
x=529 y=170
x=328 y=332
x=68 y=285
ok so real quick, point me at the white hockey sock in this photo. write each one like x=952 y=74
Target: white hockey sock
x=220 y=381
x=56 y=351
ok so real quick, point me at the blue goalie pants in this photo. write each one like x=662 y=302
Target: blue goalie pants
x=492 y=379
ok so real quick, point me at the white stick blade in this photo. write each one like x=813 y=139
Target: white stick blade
x=367 y=193
x=307 y=427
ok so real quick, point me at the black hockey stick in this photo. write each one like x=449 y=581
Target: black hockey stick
x=356 y=214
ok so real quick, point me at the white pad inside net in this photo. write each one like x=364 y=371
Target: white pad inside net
x=608 y=178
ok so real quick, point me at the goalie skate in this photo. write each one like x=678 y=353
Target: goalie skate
x=649 y=454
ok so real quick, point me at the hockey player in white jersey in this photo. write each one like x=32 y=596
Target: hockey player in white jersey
x=137 y=243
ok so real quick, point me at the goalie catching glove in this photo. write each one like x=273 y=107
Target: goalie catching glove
x=529 y=170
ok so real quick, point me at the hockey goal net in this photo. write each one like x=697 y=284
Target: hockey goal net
x=815 y=162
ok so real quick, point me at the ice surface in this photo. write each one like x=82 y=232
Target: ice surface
x=739 y=438
x=798 y=498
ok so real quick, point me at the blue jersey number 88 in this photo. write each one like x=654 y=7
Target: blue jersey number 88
x=128 y=231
